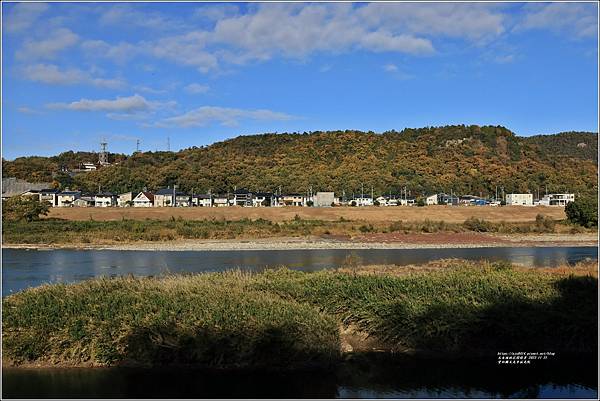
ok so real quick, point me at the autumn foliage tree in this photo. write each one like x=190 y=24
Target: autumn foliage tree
x=24 y=208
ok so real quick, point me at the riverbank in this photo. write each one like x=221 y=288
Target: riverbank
x=414 y=241
x=289 y=319
x=298 y=233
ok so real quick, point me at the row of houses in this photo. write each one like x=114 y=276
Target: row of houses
x=170 y=197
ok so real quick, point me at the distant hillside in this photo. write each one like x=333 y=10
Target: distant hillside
x=465 y=159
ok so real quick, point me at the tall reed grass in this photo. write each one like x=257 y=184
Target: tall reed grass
x=285 y=318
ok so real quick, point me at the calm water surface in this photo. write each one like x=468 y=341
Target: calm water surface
x=371 y=377
x=29 y=268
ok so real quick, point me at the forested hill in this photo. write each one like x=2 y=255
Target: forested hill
x=465 y=159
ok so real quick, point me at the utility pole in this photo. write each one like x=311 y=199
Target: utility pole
x=168 y=144
x=174 y=196
x=362 y=193
x=137 y=146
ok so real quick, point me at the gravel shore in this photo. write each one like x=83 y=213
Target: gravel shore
x=541 y=240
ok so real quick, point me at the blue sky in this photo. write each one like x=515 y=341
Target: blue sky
x=74 y=74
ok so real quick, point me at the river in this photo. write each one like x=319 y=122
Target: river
x=24 y=268
x=373 y=376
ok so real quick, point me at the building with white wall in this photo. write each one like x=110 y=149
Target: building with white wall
x=557 y=199
x=324 y=199
x=519 y=199
x=431 y=200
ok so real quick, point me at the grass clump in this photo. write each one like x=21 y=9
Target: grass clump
x=461 y=308
x=286 y=318
x=173 y=320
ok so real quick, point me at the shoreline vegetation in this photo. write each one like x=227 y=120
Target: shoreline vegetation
x=314 y=233
x=290 y=319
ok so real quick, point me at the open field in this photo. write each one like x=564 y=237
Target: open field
x=449 y=214
x=284 y=318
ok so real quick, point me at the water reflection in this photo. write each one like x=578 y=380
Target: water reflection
x=370 y=377
x=26 y=268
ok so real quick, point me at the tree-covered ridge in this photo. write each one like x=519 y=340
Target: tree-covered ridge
x=465 y=159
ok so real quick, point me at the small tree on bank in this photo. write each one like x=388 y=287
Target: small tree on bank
x=583 y=212
x=24 y=208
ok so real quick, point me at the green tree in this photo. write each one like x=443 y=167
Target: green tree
x=24 y=208
x=583 y=211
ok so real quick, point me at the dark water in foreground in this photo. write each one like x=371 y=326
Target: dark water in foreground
x=369 y=377
x=29 y=268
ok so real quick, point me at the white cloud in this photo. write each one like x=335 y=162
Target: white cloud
x=471 y=21
x=28 y=110
x=225 y=116
x=577 y=19
x=189 y=49
x=148 y=89
x=47 y=48
x=196 y=88
x=268 y=30
x=216 y=12
x=120 y=53
x=295 y=30
x=504 y=59
x=396 y=72
x=22 y=16
x=127 y=15
x=131 y=104
x=52 y=74
x=390 y=67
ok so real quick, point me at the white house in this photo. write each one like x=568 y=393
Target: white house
x=221 y=200
x=202 y=200
x=519 y=199
x=362 y=201
x=143 y=199
x=84 y=201
x=124 y=199
x=293 y=200
x=557 y=199
x=261 y=199
x=381 y=201
x=49 y=195
x=105 y=199
x=431 y=200
x=88 y=167
x=66 y=198
x=164 y=197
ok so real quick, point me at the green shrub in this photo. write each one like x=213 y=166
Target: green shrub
x=583 y=211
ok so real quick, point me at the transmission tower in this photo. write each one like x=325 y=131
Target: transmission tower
x=103 y=155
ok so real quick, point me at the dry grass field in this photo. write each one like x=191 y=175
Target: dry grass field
x=449 y=214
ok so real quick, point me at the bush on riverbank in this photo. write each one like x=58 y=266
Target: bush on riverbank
x=288 y=318
x=583 y=212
